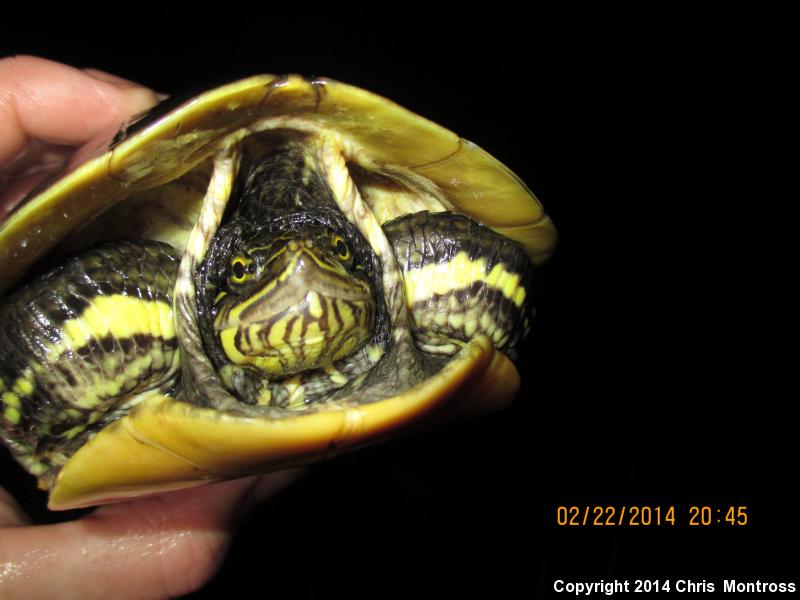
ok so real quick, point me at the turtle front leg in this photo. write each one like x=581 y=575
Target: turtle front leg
x=462 y=280
x=80 y=345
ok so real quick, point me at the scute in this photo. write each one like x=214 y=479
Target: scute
x=163 y=444
x=376 y=131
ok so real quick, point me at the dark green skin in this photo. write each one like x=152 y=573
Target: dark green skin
x=272 y=207
x=423 y=238
x=32 y=318
x=270 y=201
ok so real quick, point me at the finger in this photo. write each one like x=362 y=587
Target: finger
x=155 y=547
x=13 y=190
x=110 y=78
x=11 y=515
x=59 y=104
x=24 y=174
x=120 y=81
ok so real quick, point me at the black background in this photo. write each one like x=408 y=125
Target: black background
x=659 y=370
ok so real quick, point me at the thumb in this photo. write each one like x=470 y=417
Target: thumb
x=148 y=548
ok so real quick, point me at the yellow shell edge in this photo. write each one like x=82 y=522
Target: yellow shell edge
x=164 y=444
x=379 y=131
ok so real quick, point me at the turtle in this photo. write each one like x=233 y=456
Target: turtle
x=275 y=271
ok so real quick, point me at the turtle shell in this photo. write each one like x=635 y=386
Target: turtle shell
x=164 y=444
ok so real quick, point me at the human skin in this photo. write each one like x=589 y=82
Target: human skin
x=153 y=547
x=49 y=111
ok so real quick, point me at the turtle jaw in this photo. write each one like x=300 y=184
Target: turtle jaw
x=306 y=313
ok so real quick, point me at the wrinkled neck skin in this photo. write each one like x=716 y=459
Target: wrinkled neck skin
x=290 y=293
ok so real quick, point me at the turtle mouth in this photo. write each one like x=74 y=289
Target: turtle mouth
x=306 y=312
x=382 y=311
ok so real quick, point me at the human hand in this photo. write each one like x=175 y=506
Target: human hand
x=147 y=548
x=49 y=111
x=156 y=547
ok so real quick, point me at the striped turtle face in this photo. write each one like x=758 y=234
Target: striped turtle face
x=290 y=268
x=294 y=302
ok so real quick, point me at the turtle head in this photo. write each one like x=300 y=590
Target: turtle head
x=294 y=301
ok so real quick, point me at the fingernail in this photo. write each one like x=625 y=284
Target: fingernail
x=272 y=483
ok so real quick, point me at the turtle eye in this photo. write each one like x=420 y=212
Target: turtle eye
x=240 y=270
x=340 y=246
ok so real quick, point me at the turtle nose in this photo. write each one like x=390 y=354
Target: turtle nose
x=308 y=255
x=297 y=245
